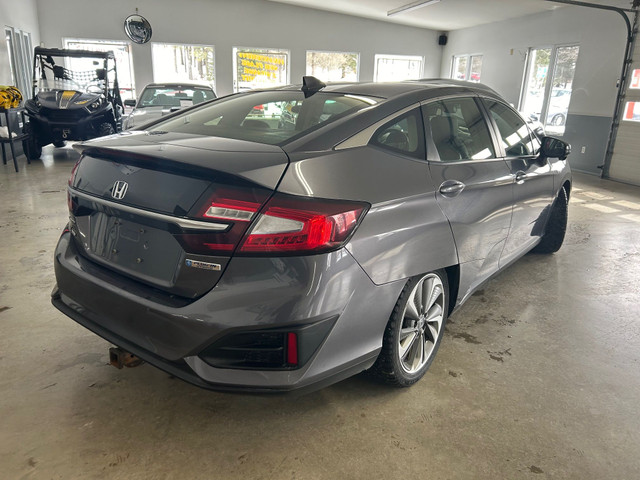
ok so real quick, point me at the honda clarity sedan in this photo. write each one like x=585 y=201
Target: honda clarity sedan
x=238 y=254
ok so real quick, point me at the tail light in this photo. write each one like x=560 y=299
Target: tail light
x=289 y=224
x=72 y=179
x=286 y=224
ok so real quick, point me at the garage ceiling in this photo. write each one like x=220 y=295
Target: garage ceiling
x=444 y=16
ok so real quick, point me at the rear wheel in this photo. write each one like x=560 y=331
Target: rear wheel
x=31 y=147
x=556 y=226
x=414 y=331
x=105 y=129
x=557 y=120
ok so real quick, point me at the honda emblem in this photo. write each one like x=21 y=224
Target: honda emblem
x=119 y=190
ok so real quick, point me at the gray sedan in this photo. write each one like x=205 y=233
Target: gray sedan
x=160 y=99
x=238 y=254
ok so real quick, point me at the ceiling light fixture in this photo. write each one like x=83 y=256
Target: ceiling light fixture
x=411 y=6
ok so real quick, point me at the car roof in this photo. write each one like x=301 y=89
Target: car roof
x=389 y=90
x=178 y=85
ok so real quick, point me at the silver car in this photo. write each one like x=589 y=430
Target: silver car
x=240 y=255
x=160 y=99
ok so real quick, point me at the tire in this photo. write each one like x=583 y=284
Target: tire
x=31 y=147
x=105 y=129
x=557 y=120
x=414 y=331
x=59 y=143
x=556 y=225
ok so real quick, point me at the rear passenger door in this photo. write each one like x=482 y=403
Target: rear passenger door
x=532 y=179
x=473 y=184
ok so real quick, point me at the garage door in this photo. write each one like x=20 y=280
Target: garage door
x=625 y=161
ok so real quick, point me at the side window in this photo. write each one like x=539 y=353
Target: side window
x=402 y=135
x=458 y=130
x=517 y=138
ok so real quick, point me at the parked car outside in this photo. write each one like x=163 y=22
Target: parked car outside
x=238 y=254
x=159 y=99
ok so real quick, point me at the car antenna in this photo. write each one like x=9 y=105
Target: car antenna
x=311 y=85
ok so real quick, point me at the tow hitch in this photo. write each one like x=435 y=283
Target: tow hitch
x=121 y=358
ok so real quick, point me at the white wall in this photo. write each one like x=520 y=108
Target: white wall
x=229 y=23
x=21 y=15
x=601 y=36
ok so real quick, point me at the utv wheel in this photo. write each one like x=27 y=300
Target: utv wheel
x=31 y=147
x=105 y=129
x=556 y=226
x=557 y=120
x=59 y=143
x=414 y=331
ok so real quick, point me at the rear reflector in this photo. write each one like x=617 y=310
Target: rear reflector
x=292 y=348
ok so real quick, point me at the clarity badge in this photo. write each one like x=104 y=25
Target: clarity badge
x=204 y=265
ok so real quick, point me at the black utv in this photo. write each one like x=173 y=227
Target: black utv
x=75 y=97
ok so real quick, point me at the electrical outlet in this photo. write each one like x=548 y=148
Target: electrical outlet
x=583 y=150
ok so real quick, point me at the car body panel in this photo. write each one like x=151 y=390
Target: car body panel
x=176 y=315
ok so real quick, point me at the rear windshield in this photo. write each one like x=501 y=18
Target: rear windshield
x=272 y=117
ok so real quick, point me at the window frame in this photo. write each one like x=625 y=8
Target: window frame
x=259 y=50
x=357 y=54
x=379 y=56
x=420 y=153
x=20 y=56
x=212 y=84
x=432 y=153
x=497 y=135
x=132 y=95
x=548 y=88
x=469 y=57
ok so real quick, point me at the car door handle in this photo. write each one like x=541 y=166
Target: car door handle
x=521 y=177
x=451 y=188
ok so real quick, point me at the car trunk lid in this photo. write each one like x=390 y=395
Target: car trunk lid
x=167 y=214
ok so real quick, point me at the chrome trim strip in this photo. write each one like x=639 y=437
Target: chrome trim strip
x=181 y=222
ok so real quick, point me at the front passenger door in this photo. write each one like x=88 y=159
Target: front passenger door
x=532 y=180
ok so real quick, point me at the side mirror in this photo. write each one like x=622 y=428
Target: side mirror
x=555 y=148
x=129 y=103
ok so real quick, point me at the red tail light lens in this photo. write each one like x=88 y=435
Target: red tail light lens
x=302 y=225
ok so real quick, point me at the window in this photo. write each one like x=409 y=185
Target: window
x=184 y=63
x=467 y=67
x=393 y=68
x=402 y=135
x=544 y=101
x=517 y=139
x=333 y=66
x=272 y=117
x=122 y=52
x=458 y=130
x=259 y=68
x=20 y=59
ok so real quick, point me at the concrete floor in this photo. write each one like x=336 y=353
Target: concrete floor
x=538 y=375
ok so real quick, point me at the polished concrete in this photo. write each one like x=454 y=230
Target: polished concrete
x=538 y=375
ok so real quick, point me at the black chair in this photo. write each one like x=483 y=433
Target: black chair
x=14 y=119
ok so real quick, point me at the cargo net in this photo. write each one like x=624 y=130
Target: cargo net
x=81 y=78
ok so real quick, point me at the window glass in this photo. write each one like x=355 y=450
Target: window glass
x=460 y=67
x=458 y=130
x=272 y=117
x=184 y=63
x=122 y=52
x=517 y=139
x=333 y=66
x=476 y=68
x=174 y=97
x=548 y=85
x=394 y=68
x=259 y=68
x=403 y=135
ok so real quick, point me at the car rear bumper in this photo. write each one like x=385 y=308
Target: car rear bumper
x=254 y=293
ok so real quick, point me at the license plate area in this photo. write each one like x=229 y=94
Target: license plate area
x=141 y=250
